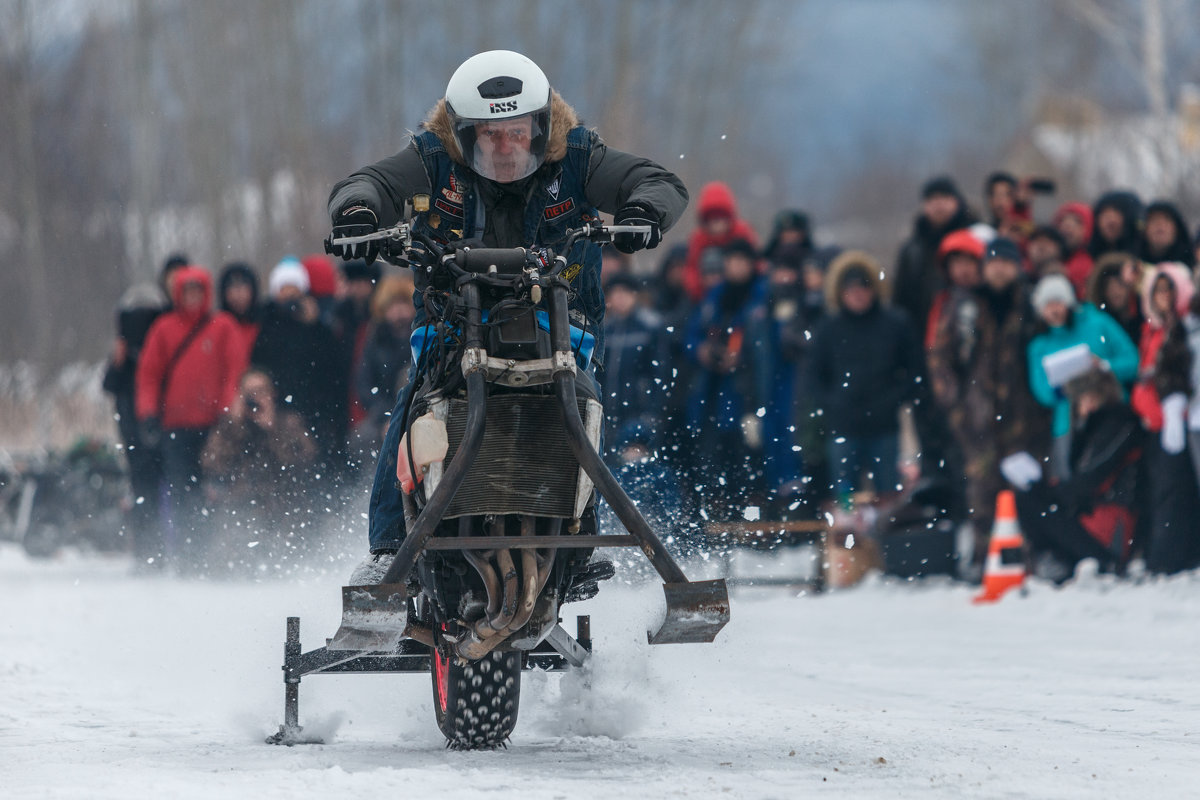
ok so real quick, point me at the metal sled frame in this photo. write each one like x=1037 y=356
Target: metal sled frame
x=376 y=632
x=557 y=653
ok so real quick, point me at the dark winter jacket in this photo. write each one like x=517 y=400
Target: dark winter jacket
x=633 y=387
x=201 y=382
x=140 y=307
x=789 y=220
x=248 y=323
x=351 y=327
x=918 y=277
x=1180 y=250
x=304 y=361
x=1130 y=239
x=797 y=312
x=1103 y=492
x=383 y=370
x=1130 y=318
x=862 y=367
x=580 y=175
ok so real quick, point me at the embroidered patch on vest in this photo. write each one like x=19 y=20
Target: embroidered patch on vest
x=556 y=211
x=448 y=209
x=554 y=187
x=453 y=193
x=571 y=271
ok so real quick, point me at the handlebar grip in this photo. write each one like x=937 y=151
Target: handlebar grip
x=508 y=261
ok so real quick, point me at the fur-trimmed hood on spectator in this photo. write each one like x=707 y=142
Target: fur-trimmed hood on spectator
x=1181 y=277
x=562 y=119
x=848 y=259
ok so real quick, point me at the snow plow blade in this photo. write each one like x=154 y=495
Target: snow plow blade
x=374 y=618
x=696 y=612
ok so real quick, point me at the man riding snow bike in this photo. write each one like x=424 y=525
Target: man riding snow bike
x=482 y=517
x=506 y=164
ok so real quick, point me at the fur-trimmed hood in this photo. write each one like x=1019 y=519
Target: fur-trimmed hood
x=1181 y=277
x=848 y=259
x=562 y=119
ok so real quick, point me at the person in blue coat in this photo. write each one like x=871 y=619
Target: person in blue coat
x=1067 y=323
x=744 y=451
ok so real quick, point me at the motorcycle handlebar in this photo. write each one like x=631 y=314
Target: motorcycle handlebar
x=507 y=261
x=480 y=260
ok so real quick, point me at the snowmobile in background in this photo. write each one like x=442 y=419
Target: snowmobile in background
x=54 y=500
x=500 y=464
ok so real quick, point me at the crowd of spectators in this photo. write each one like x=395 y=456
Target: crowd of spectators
x=1057 y=357
x=246 y=419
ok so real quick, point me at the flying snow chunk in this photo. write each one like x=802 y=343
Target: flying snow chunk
x=751 y=513
x=762 y=412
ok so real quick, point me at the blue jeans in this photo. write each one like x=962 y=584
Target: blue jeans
x=850 y=455
x=386 y=511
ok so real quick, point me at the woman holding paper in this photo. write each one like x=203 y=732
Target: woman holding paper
x=1073 y=337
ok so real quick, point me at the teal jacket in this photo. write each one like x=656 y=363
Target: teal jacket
x=1103 y=335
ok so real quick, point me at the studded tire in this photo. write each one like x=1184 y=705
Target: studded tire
x=476 y=702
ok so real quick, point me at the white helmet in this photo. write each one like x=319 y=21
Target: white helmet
x=489 y=97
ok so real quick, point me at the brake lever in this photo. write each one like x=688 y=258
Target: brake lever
x=397 y=233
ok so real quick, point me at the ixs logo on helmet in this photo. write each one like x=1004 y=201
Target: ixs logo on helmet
x=500 y=108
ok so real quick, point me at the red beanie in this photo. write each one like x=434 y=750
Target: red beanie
x=322 y=275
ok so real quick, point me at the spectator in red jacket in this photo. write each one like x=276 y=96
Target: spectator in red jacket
x=1074 y=222
x=187 y=376
x=720 y=225
x=1160 y=398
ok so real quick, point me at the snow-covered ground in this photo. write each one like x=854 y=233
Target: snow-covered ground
x=112 y=686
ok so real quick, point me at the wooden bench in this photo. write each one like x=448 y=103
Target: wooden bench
x=769 y=535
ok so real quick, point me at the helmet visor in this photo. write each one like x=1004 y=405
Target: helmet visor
x=504 y=150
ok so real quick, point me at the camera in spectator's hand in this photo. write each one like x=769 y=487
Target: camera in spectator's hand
x=1041 y=185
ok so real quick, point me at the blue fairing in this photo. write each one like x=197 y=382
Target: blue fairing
x=582 y=343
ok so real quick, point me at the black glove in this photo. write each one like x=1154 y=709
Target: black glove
x=150 y=432
x=356 y=219
x=632 y=242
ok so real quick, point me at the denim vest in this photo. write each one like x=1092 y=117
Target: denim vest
x=558 y=203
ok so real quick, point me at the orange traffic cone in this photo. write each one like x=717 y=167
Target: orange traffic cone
x=1005 y=565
